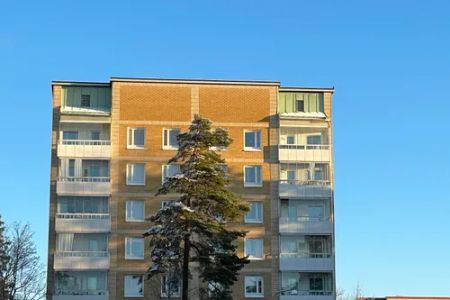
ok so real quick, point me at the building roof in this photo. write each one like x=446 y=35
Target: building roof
x=195 y=81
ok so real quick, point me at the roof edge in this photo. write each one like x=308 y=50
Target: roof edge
x=80 y=83
x=305 y=89
x=195 y=81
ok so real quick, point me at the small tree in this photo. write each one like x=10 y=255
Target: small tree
x=25 y=275
x=195 y=228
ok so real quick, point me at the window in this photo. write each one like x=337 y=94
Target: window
x=316 y=283
x=254 y=248
x=95 y=135
x=255 y=214
x=170 y=171
x=70 y=135
x=314 y=139
x=135 y=211
x=136 y=137
x=170 y=138
x=214 y=289
x=223 y=167
x=71 y=170
x=166 y=203
x=300 y=105
x=134 y=286
x=254 y=286
x=85 y=100
x=290 y=140
x=170 y=285
x=252 y=176
x=135 y=174
x=291 y=175
x=252 y=140
x=134 y=248
x=315 y=213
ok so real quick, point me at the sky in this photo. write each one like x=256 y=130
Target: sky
x=388 y=60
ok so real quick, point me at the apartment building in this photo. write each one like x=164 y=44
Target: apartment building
x=111 y=143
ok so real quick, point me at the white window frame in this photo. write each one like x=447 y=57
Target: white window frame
x=255 y=221
x=260 y=242
x=163 y=171
x=129 y=295
x=257 y=294
x=255 y=132
x=128 y=175
x=251 y=184
x=126 y=246
x=166 y=131
x=127 y=218
x=130 y=131
x=164 y=294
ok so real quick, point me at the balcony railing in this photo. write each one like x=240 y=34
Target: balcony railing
x=88 y=216
x=306 y=224
x=60 y=292
x=93 y=110
x=307 y=293
x=319 y=262
x=83 y=179
x=82 y=222
x=81 y=260
x=83 y=186
x=304 y=153
x=81 y=253
x=86 y=142
x=304 y=188
x=85 y=148
x=306 y=255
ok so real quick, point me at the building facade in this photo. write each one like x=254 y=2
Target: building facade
x=111 y=143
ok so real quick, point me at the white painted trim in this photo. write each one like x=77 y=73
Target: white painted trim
x=253 y=184
x=252 y=148
x=262 y=247
x=168 y=147
x=126 y=175
x=132 y=146
x=259 y=295
x=262 y=214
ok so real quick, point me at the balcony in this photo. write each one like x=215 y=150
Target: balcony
x=289 y=153
x=92 y=110
x=82 y=222
x=83 y=186
x=102 y=295
x=308 y=295
x=81 y=260
x=306 y=225
x=313 y=262
x=85 y=148
x=304 y=189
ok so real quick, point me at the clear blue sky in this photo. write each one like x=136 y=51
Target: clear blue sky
x=389 y=62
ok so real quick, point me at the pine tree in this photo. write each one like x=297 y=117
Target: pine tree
x=196 y=227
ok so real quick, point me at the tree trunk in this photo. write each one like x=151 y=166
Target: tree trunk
x=185 y=284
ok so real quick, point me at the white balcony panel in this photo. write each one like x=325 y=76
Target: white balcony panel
x=67 y=262
x=293 y=225
x=84 y=186
x=87 y=149
x=98 y=111
x=304 y=153
x=83 y=223
x=103 y=296
x=296 y=263
x=307 y=297
x=304 y=189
